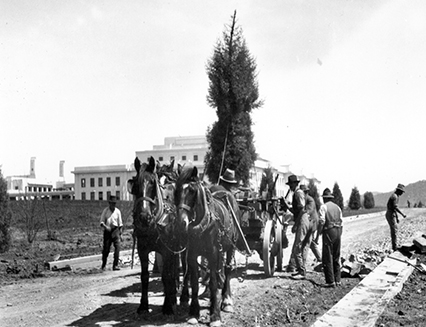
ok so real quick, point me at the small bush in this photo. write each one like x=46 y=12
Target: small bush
x=355 y=199
x=5 y=216
x=368 y=200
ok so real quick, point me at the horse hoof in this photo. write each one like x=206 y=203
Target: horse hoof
x=192 y=321
x=216 y=323
x=228 y=308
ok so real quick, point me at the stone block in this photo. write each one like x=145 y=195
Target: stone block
x=420 y=243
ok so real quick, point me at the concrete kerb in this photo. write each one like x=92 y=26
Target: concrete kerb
x=362 y=306
x=95 y=260
x=364 y=216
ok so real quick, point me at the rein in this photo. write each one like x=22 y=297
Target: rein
x=204 y=222
x=157 y=201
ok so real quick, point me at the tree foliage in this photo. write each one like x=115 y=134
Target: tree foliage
x=5 y=216
x=338 y=197
x=369 y=200
x=354 y=199
x=233 y=92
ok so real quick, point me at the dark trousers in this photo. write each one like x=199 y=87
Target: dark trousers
x=302 y=243
x=393 y=225
x=331 y=242
x=307 y=234
x=112 y=237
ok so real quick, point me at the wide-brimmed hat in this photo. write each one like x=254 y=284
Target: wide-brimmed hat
x=327 y=194
x=229 y=176
x=112 y=199
x=304 y=188
x=292 y=179
x=401 y=188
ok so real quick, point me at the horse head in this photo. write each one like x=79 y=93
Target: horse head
x=148 y=200
x=190 y=200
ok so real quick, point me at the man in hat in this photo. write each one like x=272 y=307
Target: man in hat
x=330 y=225
x=112 y=225
x=228 y=181
x=301 y=226
x=392 y=214
x=311 y=210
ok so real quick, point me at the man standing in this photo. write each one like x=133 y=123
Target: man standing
x=311 y=210
x=112 y=225
x=330 y=225
x=301 y=226
x=392 y=214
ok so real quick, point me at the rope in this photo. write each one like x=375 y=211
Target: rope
x=223 y=154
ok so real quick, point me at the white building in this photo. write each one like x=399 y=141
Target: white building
x=181 y=149
x=29 y=187
x=99 y=182
x=193 y=149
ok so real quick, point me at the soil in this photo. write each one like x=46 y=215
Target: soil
x=35 y=296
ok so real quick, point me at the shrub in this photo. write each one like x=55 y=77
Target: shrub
x=338 y=197
x=368 y=200
x=5 y=216
x=355 y=199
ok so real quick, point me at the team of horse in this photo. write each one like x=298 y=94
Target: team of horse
x=182 y=216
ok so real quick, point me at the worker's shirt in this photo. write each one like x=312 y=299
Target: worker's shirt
x=330 y=215
x=111 y=218
x=311 y=207
x=392 y=203
x=298 y=203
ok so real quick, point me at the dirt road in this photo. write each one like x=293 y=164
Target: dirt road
x=95 y=298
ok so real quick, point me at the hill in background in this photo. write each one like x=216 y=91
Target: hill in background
x=414 y=192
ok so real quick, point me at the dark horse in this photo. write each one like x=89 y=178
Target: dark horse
x=152 y=220
x=205 y=223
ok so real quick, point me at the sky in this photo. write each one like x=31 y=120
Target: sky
x=92 y=82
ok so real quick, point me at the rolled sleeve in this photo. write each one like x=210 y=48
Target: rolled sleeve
x=322 y=213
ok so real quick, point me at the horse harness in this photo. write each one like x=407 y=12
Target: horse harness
x=212 y=216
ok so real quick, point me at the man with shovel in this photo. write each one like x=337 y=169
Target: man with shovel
x=392 y=214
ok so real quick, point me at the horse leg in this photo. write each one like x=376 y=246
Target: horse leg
x=216 y=283
x=227 y=303
x=143 y=256
x=169 y=282
x=194 y=308
x=184 y=297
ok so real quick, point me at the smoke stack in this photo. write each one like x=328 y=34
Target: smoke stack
x=61 y=168
x=32 y=168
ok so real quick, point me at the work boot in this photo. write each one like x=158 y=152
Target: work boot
x=290 y=269
x=298 y=276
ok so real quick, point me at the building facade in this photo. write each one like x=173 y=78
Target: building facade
x=183 y=150
x=193 y=149
x=99 y=182
x=28 y=187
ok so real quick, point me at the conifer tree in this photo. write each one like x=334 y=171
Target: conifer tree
x=354 y=199
x=233 y=93
x=338 y=197
x=368 y=200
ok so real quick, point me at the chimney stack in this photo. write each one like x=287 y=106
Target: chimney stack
x=61 y=168
x=32 y=168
